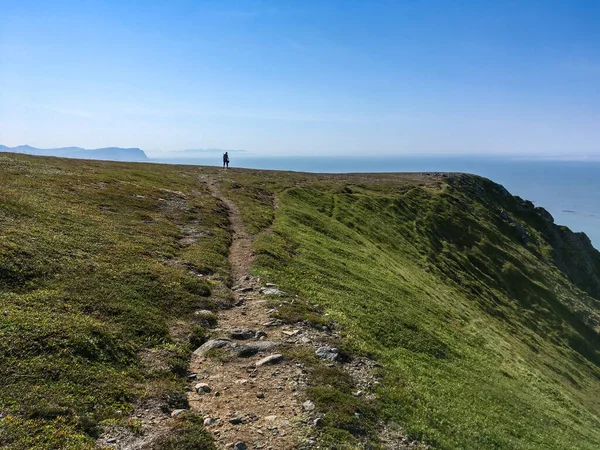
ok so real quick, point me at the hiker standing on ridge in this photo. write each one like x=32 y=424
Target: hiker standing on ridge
x=225 y=160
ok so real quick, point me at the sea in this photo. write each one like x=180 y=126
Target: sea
x=569 y=190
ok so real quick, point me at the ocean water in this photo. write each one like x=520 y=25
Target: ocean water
x=569 y=190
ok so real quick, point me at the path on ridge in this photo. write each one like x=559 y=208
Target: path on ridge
x=259 y=406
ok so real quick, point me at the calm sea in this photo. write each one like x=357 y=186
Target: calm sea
x=570 y=190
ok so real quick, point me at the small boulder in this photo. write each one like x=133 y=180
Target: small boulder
x=209 y=345
x=271 y=359
x=259 y=334
x=240 y=446
x=260 y=395
x=252 y=348
x=308 y=406
x=328 y=353
x=242 y=334
x=201 y=388
x=178 y=413
x=237 y=420
x=272 y=291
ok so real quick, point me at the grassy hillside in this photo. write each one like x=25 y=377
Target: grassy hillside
x=99 y=267
x=454 y=286
x=484 y=315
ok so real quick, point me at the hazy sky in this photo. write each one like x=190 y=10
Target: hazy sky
x=303 y=78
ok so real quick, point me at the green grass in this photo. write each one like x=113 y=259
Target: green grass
x=188 y=434
x=484 y=342
x=93 y=273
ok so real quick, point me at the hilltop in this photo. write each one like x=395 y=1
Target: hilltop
x=399 y=311
x=103 y=154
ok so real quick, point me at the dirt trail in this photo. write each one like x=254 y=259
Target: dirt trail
x=241 y=254
x=258 y=406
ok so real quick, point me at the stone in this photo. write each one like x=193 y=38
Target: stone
x=318 y=422
x=201 y=388
x=260 y=395
x=308 y=406
x=209 y=345
x=270 y=285
x=178 y=413
x=111 y=440
x=328 y=353
x=272 y=291
x=245 y=289
x=245 y=351
x=292 y=333
x=252 y=348
x=273 y=323
x=240 y=446
x=259 y=334
x=207 y=421
x=242 y=334
x=271 y=359
x=237 y=420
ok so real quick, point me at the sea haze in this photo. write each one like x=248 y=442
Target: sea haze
x=570 y=190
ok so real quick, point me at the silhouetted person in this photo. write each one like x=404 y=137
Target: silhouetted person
x=225 y=160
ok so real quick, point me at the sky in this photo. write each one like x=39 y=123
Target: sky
x=304 y=78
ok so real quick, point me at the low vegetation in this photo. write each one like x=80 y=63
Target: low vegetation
x=485 y=343
x=483 y=315
x=97 y=261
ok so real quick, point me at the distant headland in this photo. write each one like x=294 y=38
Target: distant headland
x=107 y=154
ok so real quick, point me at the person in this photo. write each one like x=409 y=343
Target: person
x=225 y=160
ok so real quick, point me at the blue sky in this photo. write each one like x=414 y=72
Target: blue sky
x=304 y=78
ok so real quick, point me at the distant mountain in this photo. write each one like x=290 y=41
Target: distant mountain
x=107 y=154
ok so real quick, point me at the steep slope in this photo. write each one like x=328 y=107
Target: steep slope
x=482 y=312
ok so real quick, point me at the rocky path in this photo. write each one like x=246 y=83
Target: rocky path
x=249 y=394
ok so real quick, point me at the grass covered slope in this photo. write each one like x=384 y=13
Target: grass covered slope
x=465 y=294
x=99 y=267
x=484 y=314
